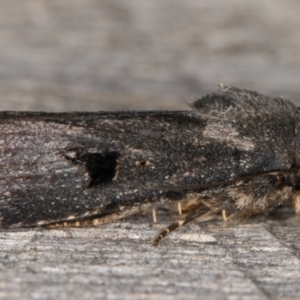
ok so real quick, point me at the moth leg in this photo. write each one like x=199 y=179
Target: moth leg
x=204 y=216
x=296 y=202
x=179 y=208
x=224 y=215
x=154 y=215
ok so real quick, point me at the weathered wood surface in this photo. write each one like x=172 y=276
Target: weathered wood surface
x=110 y=54
x=92 y=55
x=250 y=261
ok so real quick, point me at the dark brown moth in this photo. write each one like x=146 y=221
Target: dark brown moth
x=234 y=154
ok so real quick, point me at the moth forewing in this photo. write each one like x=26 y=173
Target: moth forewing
x=91 y=168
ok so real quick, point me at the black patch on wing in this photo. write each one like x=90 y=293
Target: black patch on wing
x=101 y=167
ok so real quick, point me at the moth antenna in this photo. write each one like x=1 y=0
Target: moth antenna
x=204 y=216
x=167 y=230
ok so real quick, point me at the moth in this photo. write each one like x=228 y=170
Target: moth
x=234 y=154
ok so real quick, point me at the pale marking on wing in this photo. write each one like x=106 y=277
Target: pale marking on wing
x=219 y=132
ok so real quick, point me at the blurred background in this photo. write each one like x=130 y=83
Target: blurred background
x=150 y=54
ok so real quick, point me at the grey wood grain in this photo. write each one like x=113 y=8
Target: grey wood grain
x=116 y=261
x=110 y=54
